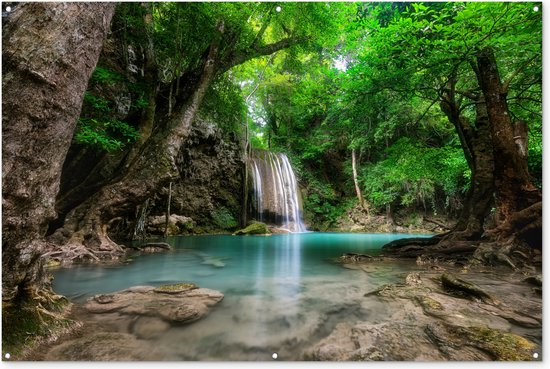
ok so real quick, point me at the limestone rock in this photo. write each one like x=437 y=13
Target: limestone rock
x=177 y=224
x=180 y=303
x=104 y=346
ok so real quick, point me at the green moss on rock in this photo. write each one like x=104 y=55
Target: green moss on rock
x=253 y=228
x=175 y=288
x=504 y=346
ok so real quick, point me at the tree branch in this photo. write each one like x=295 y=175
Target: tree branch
x=240 y=57
x=264 y=27
x=506 y=85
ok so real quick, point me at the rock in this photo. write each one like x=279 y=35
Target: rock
x=177 y=224
x=463 y=288
x=413 y=279
x=497 y=344
x=153 y=247
x=149 y=327
x=535 y=280
x=254 y=228
x=104 y=346
x=179 y=303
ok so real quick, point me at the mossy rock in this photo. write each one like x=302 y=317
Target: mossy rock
x=253 y=228
x=464 y=288
x=499 y=345
x=175 y=288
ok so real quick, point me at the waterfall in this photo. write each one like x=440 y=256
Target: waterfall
x=275 y=198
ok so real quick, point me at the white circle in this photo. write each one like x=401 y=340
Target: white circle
x=7 y=356
x=8 y=8
x=278 y=9
x=536 y=8
x=536 y=355
x=274 y=356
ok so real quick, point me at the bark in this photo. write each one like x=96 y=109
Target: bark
x=477 y=146
x=356 y=182
x=85 y=170
x=519 y=207
x=49 y=52
x=514 y=189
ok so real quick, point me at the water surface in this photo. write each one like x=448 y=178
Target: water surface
x=282 y=292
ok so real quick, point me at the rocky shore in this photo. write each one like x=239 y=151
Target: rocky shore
x=117 y=327
x=442 y=313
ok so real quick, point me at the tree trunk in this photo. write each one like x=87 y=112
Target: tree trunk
x=86 y=226
x=49 y=52
x=477 y=146
x=514 y=189
x=356 y=182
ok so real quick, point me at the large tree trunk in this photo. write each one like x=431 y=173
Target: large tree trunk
x=49 y=52
x=519 y=208
x=84 y=235
x=477 y=146
x=514 y=189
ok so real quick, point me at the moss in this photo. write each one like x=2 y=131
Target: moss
x=429 y=304
x=25 y=323
x=502 y=345
x=175 y=288
x=254 y=228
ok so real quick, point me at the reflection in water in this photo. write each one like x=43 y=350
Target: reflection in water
x=281 y=292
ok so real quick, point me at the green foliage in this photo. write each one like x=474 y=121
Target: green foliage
x=223 y=218
x=412 y=174
x=224 y=105
x=97 y=103
x=108 y=135
x=535 y=156
x=105 y=76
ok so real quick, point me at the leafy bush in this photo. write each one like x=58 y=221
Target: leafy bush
x=223 y=218
x=108 y=135
x=412 y=173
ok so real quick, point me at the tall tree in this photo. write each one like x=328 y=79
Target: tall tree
x=445 y=42
x=48 y=54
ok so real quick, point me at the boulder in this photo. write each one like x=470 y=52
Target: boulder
x=177 y=224
x=174 y=304
x=254 y=228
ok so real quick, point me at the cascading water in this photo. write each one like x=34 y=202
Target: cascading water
x=275 y=198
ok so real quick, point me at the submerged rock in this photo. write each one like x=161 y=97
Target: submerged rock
x=433 y=316
x=178 y=303
x=104 y=346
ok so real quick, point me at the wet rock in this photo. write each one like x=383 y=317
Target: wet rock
x=105 y=346
x=149 y=327
x=388 y=341
x=179 y=303
x=499 y=345
x=153 y=247
x=253 y=228
x=463 y=288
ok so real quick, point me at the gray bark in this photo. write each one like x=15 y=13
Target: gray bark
x=49 y=52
